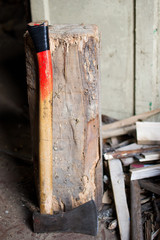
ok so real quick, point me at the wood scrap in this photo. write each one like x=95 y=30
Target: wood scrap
x=152 y=156
x=155 y=234
x=118 y=186
x=145 y=200
x=106 y=198
x=124 y=143
x=145 y=172
x=148 y=226
x=146 y=207
x=148 y=132
x=150 y=186
x=157 y=213
x=106 y=119
x=129 y=160
x=136 y=218
x=117 y=132
x=128 y=153
x=130 y=121
x=112 y=225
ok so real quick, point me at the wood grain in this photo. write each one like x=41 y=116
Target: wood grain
x=136 y=217
x=77 y=167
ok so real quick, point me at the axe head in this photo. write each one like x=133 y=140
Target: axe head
x=82 y=219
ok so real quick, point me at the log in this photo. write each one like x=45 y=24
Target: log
x=77 y=165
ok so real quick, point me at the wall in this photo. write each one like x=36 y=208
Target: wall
x=129 y=48
x=147 y=53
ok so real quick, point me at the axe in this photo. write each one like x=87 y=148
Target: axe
x=82 y=219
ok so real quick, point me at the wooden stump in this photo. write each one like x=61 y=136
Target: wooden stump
x=77 y=166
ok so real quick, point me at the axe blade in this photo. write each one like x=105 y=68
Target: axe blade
x=82 y=219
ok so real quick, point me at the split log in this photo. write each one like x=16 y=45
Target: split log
x=77 y=166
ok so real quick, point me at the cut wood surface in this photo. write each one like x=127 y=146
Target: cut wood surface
x=118 y=186
x=145 y=172
x=77 y=167
x=150 y=186
x=130 y=121
x=148 y=132
x=136 y=217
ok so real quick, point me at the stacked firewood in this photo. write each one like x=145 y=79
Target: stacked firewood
x=131 y=154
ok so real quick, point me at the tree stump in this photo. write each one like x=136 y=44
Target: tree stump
x=77 y=166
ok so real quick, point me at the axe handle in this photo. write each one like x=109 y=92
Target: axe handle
x=39 y=34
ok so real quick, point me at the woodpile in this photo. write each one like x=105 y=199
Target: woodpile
x=132 y=176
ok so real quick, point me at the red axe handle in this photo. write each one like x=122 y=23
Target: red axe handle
x=39 y=34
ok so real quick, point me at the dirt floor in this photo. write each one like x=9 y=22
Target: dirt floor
x=17 y=193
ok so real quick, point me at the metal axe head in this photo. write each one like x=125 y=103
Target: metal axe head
x=82 y=219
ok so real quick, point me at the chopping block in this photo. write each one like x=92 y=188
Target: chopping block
x=76 y=170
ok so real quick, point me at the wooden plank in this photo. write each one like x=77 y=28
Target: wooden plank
x=148 y=132
x=130 y=121
x=118 y=132
x=147 y=56
x=129 y=153
x=136 y=217
x=153 y=156
x=145 y=172
x=118 y=186
x=115 y=20
x=129 y=160
x=77 y=167
x=148 y=229
x=150 y=186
